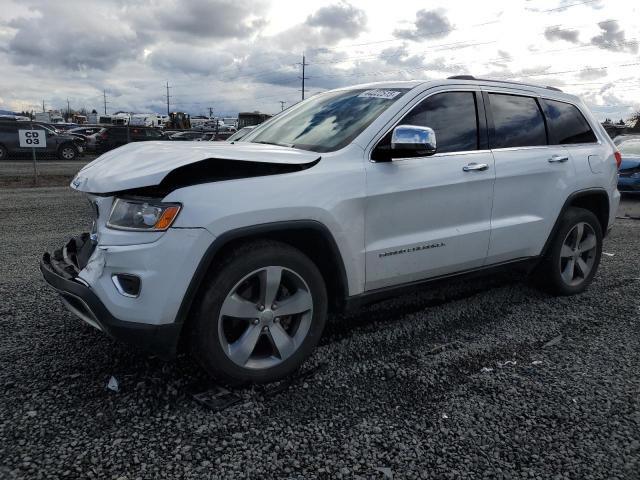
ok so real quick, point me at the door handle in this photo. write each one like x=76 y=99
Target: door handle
x=558 y=159
x=473 y=167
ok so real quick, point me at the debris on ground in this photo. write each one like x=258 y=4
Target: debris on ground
x=507 y=363
x=608 y=254
x=113 y=385
x=486 y=369
x=387 y=472
x=217 y=398
x=536 y=362
x=553 y=341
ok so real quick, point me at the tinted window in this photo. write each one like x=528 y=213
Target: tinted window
x=517 y=121
x=452 y=116
x=566 y=124
x=8 y=128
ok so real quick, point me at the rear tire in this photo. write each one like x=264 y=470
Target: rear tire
x=260 y=314
x=4 y=153
x=574 y=254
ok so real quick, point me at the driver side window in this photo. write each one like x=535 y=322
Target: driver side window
x=453 y=116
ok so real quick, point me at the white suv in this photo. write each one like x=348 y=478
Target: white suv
x=240 y=249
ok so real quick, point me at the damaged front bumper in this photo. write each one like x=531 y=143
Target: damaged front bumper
x=61 y=270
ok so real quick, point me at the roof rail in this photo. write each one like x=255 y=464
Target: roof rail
x=461 y=77
x=471 y=77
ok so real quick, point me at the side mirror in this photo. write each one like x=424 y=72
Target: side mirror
x=412 y=141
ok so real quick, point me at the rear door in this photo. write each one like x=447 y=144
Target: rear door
x=533 y=178
x=569 y=128
x=430 y=216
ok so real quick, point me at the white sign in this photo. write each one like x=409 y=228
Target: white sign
x=33 y=138
x=379 y=93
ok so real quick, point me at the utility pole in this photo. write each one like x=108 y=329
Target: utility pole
x=43 y=110
x=303 y=78
x=104 y=98
x=168 y=98
x=210 y=112
x=68 y=109
x=282 y=103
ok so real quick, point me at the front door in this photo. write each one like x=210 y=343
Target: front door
x=431 y=216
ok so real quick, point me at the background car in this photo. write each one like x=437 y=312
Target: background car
x=629 y=172
x=116 y=136
x=86 y=130
x=186 y=136
x=67 y=147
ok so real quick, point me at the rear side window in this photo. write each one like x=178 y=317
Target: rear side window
x=566 y=124
x=452 y=115
x=517 y=120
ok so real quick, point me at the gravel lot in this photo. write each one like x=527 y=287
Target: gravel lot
x=453 y=383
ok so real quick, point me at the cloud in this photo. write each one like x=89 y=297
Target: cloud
x=428 y=24
x=556 y=33
x=80 y=42
x=326 y=26
x=196 y=60
x=592 y=74
x=342 y=19
x=613 y=38
x=198 y=20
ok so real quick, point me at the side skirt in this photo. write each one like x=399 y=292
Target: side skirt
x=520 y=265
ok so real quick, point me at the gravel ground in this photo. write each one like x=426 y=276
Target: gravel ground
x=452 y=383
x=51 y=173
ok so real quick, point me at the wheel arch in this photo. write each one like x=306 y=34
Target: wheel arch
x=596 y=200
x=311 y=237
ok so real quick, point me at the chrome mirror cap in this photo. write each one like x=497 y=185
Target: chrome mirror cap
x=413 y=141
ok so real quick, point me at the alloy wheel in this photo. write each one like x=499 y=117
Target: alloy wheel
x=265 y=317
x=578 y=254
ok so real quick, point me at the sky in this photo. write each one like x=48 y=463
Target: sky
x=245 y=55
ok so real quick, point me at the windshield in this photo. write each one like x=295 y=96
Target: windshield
x=329 y=121
x=630 y=147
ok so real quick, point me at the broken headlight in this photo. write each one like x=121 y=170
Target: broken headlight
x=142 y=215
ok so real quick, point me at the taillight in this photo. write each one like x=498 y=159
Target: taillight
x=618 y=158
x=104 y=135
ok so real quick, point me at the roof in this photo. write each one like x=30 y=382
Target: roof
x=467 y=80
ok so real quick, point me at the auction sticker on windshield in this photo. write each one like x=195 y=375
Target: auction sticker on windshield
x=378 y=93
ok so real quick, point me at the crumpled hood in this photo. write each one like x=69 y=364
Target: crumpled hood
x=145 y=164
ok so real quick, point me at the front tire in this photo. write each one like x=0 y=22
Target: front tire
x=3 y=153
x=574 y=254
x=68 y=152
x=260 y=315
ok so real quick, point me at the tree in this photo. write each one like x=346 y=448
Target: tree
x=635 y=119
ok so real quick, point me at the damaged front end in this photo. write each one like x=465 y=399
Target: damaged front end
x=129 y=276
x=62 y=270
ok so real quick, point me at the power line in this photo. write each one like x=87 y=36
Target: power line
x=447 y=30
